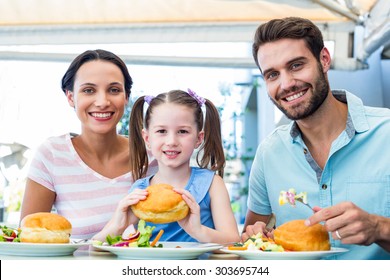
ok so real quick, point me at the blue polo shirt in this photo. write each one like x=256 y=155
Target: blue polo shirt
x=357 y=170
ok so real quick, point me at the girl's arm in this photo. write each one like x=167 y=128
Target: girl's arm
x=225 y=224
x=123 y=216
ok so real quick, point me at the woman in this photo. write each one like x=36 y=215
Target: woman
x=85 y=176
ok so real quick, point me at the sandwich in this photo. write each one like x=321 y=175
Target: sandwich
x=162 y=205
x=296 y=236
x=43 y=227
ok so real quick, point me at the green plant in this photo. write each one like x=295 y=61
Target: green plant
x=123 y=125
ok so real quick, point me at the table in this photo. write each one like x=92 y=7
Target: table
x=88 y=253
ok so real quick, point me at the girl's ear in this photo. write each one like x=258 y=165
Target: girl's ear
x=70 y=97
x=200 y=139
x=145 y=135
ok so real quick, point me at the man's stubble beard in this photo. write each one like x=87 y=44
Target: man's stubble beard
x=320 y=92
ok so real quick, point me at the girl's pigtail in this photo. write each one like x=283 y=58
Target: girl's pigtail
x=138 y=155
x=213 y=156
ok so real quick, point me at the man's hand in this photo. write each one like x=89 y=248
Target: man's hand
x=254 y=229
x=347 y=222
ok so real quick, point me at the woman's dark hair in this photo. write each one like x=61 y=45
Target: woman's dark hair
x=289 y=28
x=210 y=154
x=68 y=79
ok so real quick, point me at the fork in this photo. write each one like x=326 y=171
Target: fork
x=300 y=199
x=206 y=244
x=270 y=223
x=79 y=241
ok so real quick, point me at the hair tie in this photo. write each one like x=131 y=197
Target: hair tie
x=198 y=98
x=148 y=98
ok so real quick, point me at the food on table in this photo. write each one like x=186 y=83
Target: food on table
x=162 y=205
x=9 y=234
x=43 y=227
x=291 y=196
x=296 y=236
x=133 y=237
x=257 y=242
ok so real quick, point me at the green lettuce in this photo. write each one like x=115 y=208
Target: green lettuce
x=145 y=234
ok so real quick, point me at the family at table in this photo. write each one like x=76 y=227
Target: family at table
x=334 y=149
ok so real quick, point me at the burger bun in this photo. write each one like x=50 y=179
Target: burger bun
x=43 y=227
x=296 y=236
x=162 y=205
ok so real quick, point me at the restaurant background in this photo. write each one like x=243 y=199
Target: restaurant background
x=203 y=45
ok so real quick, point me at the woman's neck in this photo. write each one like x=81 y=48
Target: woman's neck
x=98 y=145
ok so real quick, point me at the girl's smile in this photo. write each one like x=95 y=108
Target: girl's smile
x=172 y=134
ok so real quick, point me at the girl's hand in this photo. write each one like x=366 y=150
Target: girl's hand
x=123 y=210
x=191 y=224
x=123 y=215
x=131 y=199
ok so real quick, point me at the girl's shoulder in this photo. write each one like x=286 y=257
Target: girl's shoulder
x=142 y=183
x=197 y=171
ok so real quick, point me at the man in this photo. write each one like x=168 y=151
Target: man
x=335 y=149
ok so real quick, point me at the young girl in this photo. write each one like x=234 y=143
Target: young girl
x=173 y=126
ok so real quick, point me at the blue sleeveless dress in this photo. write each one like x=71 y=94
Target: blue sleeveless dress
x=198 y=185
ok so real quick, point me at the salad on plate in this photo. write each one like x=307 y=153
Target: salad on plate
x=133 y=237
x=9 y=234
x=257 y=242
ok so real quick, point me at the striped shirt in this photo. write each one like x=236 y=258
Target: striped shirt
x=86 y=198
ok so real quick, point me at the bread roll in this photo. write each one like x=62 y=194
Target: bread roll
x=296 y=236
x=43 y=227
x=162 y=205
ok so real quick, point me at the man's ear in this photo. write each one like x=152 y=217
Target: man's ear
x=70 y=97
x=325 y=59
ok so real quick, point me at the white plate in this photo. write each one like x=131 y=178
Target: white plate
x=187 y=251
x=302 y=255
x=39 y=249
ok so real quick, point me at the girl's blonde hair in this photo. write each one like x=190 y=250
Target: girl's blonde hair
x=210 y=154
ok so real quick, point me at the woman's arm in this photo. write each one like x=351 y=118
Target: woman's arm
x=36 y=198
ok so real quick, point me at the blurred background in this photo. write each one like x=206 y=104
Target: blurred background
x=204 y=45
